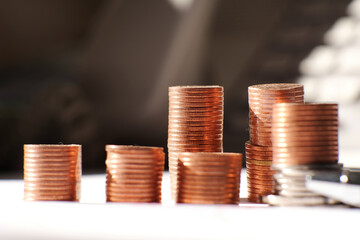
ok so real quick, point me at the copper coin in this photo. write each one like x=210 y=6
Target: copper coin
x=259 y=162
x=259 y=172
x=257 y=148
x=258 y=167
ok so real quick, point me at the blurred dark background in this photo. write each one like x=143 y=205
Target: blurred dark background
x=97 y=72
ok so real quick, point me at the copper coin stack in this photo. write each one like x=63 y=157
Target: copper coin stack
x=305 y=140
x=262 y=97
x=52 y=172
x=195 y=123
x=134 y=173
x=259 y=172
x=209 y=178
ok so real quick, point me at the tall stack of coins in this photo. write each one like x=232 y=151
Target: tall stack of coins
x=209 y=178
x=195 y=123
x=305 y=141
x=52 y=172
x=262 y=97
x=134 y=173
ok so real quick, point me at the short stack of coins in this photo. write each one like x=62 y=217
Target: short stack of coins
x=305 y=141
x=209 y=178
x=259 y=172
x=52 y=172
x=262 y=97
x=195 y=123
x=134 y=173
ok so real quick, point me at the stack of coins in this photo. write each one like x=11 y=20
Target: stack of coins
x=209 y=178
x=259 y=172
x=262 y=97
x=52 y=172
x=305 y=141
x=195 y=123
x=134 y=173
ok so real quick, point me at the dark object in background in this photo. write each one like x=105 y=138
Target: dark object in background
x=96 y=72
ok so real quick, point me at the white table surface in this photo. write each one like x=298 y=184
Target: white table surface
x=92 y=218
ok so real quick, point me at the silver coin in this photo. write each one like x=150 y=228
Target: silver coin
x=276 y=200
x=297 y=194
x=291 y=187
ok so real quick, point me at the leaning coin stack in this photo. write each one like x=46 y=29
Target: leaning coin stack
x=195 y=123
x=209 y=178
x=305 y=141
x=262 y=97
x=134 y=173
x=52 y=172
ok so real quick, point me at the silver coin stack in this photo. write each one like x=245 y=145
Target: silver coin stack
x=290 y=185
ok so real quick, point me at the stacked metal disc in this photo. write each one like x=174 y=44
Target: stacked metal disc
x=262 y=97
x=134 y=173
x=305 y=141
x=209 y=178
x=195 y=123
x=52 y=172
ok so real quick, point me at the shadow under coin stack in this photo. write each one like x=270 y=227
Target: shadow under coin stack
x=305 y=141
x=52 y=172
x=258 y=150
x=195 y=123
x=209 y=178
x=134 y=173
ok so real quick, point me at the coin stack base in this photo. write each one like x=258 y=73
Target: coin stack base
x=134 y=173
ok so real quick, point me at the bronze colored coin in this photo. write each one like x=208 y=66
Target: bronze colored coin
x=305 y=143
x=194 y=195
x=259 y=157
x=205 y=201
x=294 y=119
x=183 y=116
x=254 y=198
x=305 y=114
x=254 y=183
x=135 y=190
x=201 y=88
x=305 y=154
x=264 y=142
x=303 y=162
x=258 y=162
x=306 y=106
x=284 y=125
x=276 y=87
x=259 y=172
x=331 y=149
x=260 y=177
x=196 y=122
x=258 y=167
x=257 y=148
x=209 y=187
x=295 y=129
x=50 y=198
x=261 y=192
x=254 y=187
